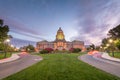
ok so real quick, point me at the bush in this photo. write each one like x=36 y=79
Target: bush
x=75 y=50
x=64 y=49
x=49 y=50
x=44 y=51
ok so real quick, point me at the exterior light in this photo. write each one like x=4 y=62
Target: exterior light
x=7 y=40
x=112 y=46
x=107 y=45
x=101 y=47
x=12 y=46
x=110 y=40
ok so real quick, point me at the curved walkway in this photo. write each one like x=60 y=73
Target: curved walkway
x=12 y=58
x=103 y=64
x=106 y=56
x=23 y=62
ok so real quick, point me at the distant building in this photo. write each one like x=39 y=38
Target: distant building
x=60 y=43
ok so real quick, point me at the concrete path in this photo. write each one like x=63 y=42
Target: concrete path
x=12 y=58
x=23 y=62
x=106 y=56
x=103 y=64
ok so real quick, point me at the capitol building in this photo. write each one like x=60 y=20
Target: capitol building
x=60 y=43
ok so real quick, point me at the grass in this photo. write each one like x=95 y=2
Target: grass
x=61 y=67
x=116 y=54
x=2 y=55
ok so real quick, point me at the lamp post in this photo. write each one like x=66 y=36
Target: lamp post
x=111 y=42
x=101 y=48
x=6 y=43
x=12 y=46
x=107 y=47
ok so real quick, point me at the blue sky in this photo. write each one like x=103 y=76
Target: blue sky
x=36 y=20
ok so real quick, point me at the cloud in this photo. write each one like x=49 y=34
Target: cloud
x=28 y=35
x=19 y=28
x=16 y=41
x=96 y=18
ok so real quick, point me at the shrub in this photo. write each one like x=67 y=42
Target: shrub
x=75 y=50
x=44 y=51
x=49 y=50
x=63 y=49
x=71 y=49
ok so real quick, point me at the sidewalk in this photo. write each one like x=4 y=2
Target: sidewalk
x=12 y=58
x=13 y=67
x=103 y=64
x=106 y=56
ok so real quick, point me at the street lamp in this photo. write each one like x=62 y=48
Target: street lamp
x=100 y=48
x=7 y=40
x=12 y=47
x=6 y=43
x=111 y=42
x=107 y=45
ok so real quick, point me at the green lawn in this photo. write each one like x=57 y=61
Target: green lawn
x=2 y=55
x=116 y=54
x=61 y=67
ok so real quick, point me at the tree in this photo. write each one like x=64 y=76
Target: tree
x=115 y=35
x=1 y=22
x=30 y=48
x=92 y=47
x=104 y=41
x=4 y=29
x=117 y=43
x=115 y=32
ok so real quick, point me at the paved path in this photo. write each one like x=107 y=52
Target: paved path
x=103 y=64
x=23 y=62
x=12 y=58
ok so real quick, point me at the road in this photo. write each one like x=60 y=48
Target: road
x=103 y=64
x=25 y=61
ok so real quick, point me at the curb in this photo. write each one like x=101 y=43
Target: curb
x=106 y=56
x=12 y=58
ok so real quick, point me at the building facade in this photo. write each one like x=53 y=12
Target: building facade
x=60 y=43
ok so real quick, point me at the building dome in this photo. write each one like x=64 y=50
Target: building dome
x=60 y=35
x=59 y=30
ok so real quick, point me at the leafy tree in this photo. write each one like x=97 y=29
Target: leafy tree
x=104 y=41
x=4 y=29
x=115 y=32
x=30 y=48
x=92 y=47
x=1 y=22
x=117 y=43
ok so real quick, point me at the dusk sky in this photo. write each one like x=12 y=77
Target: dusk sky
x=36 y=20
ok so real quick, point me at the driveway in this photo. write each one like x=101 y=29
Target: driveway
x=25 y=61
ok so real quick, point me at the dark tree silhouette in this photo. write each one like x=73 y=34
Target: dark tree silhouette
x=4 y=29
x=115 y=32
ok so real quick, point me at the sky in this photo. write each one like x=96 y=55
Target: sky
x=84 y=20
